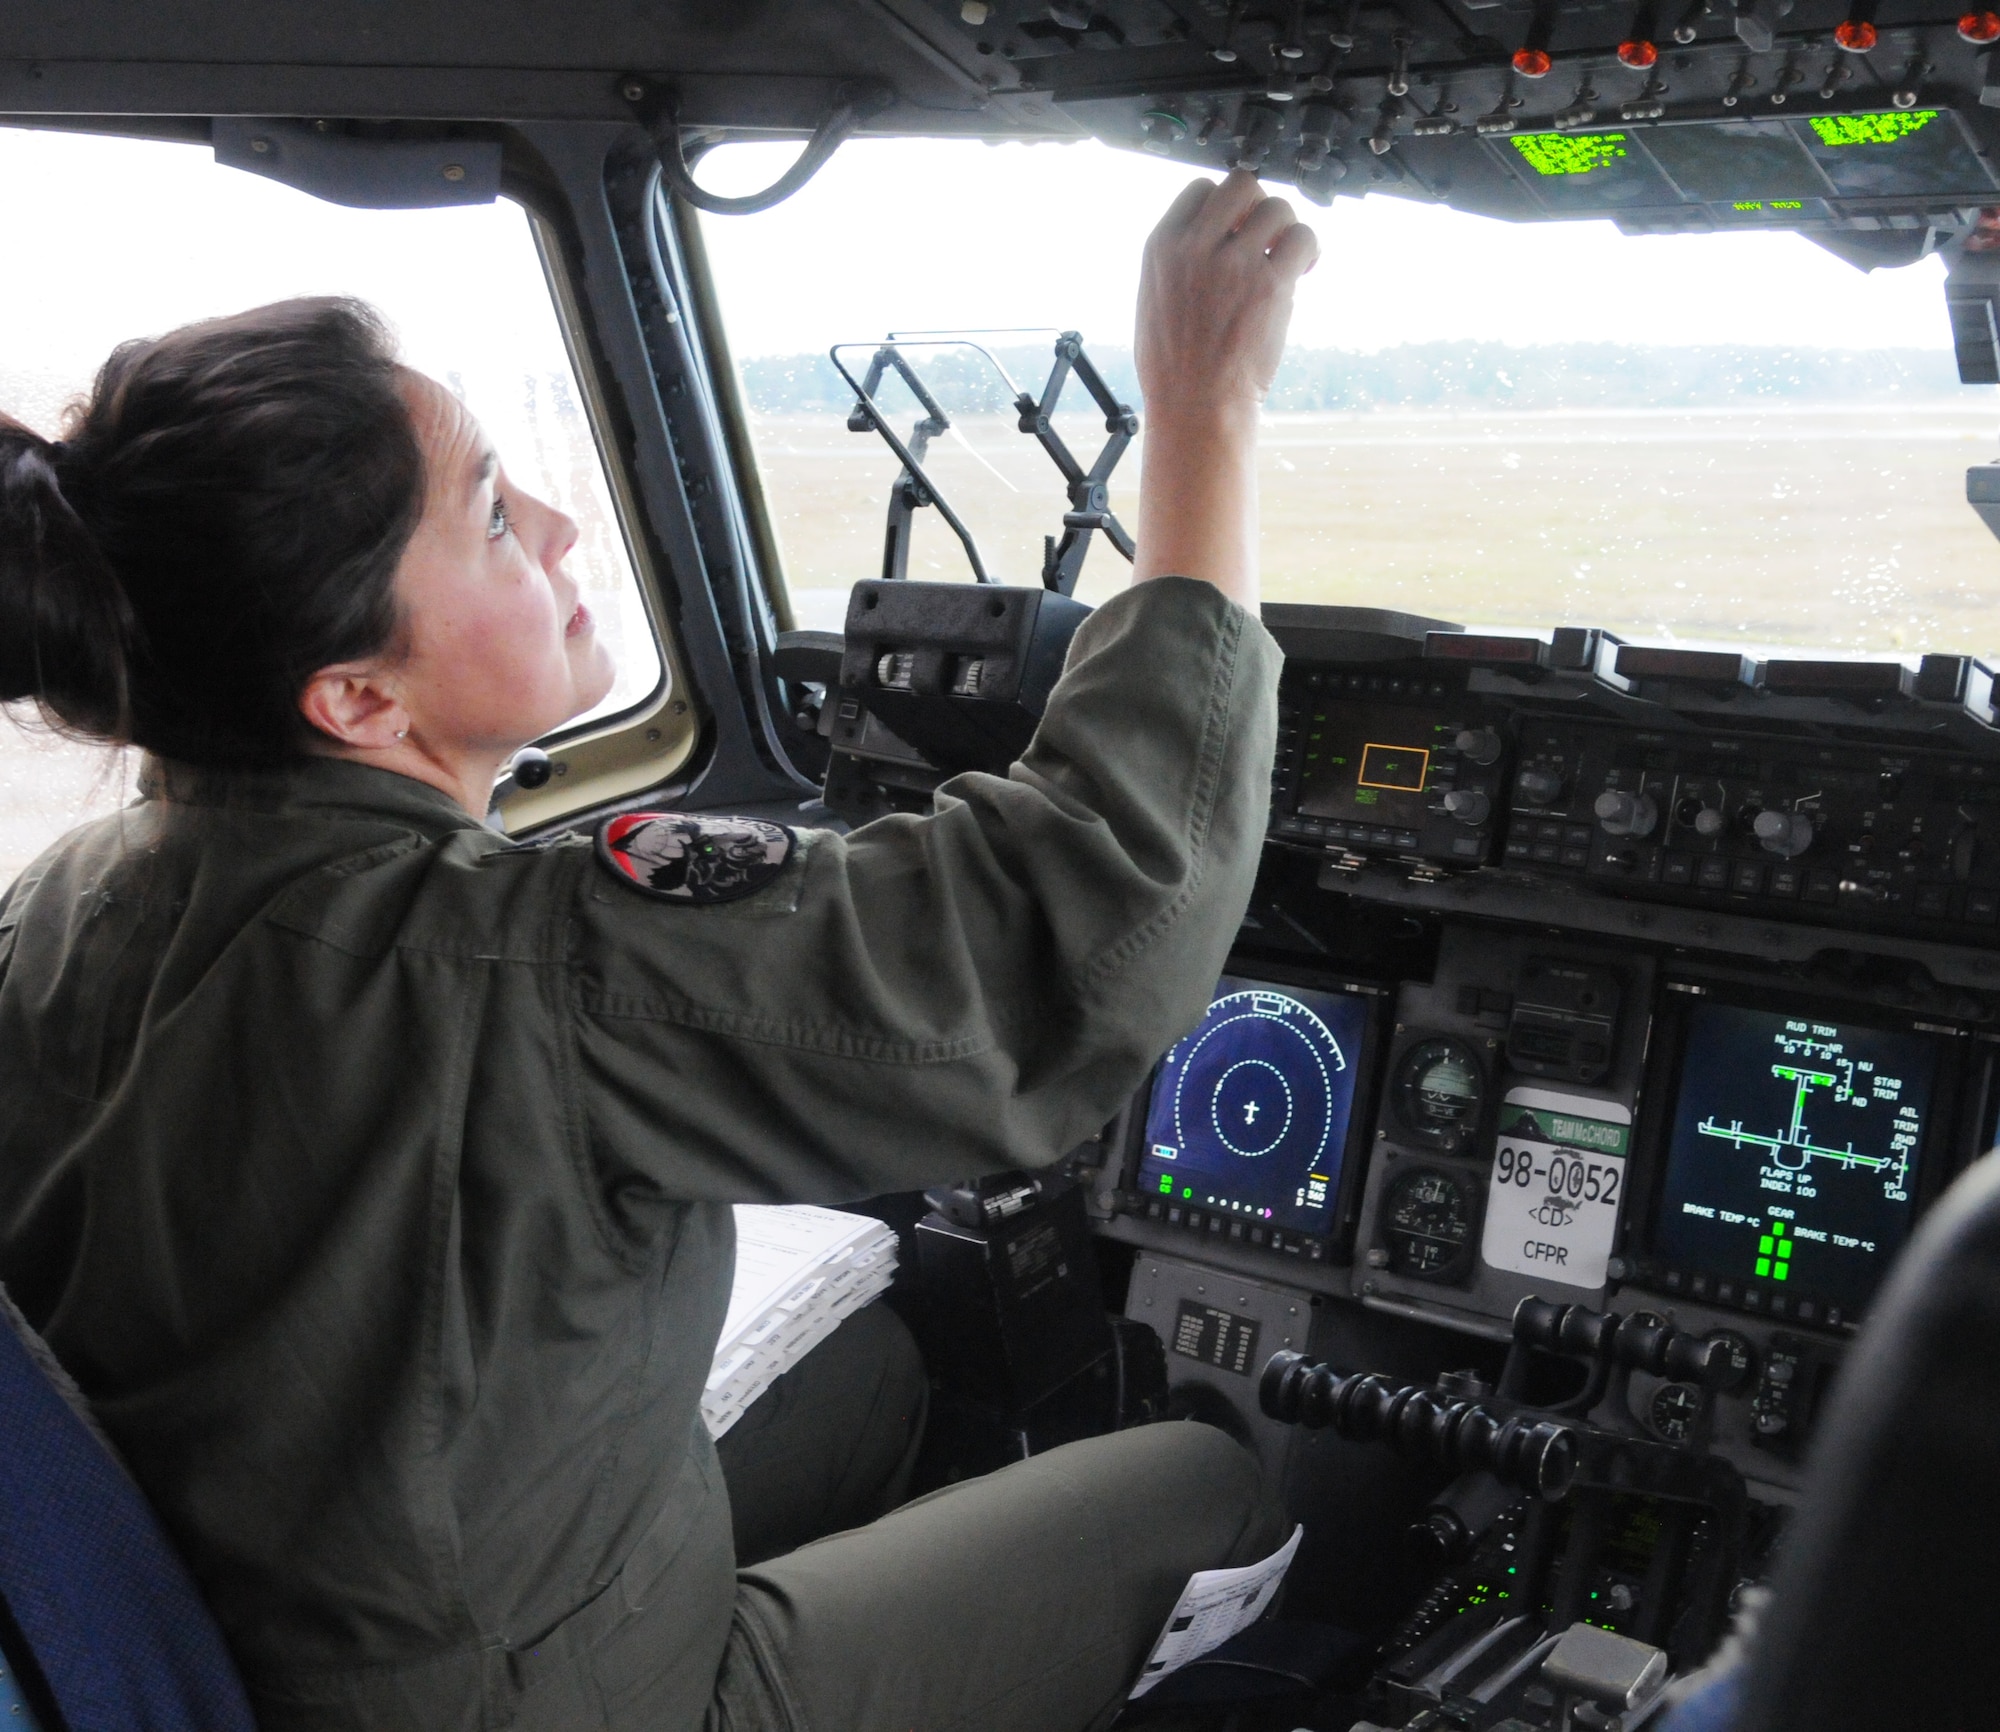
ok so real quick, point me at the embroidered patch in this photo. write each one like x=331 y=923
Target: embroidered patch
x=684 y=858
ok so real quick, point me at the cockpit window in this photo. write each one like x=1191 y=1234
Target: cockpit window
x=129 y=238
x=1734 y=437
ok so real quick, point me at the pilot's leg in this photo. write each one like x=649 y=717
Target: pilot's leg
x=830 y=1445
x=1024 y=1601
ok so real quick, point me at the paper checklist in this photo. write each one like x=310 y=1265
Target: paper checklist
x=799 y=1271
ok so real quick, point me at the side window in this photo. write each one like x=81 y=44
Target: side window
x=172 y=237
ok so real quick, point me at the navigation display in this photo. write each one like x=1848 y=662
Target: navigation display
x=1371 y=764
x=1792 y=1164
x=1250 y=1113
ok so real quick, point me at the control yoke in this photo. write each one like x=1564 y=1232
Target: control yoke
x=914 y=487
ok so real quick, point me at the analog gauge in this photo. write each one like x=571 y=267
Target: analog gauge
x=1437 y=1093
x=1673 y=1411
x=1427 y=1224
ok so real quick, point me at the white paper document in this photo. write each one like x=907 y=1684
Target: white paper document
x=799 y=1271
x=1213 y=1607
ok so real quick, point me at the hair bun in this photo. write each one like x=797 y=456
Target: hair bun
x=65 y=625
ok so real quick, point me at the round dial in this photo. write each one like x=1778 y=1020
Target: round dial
x=1437 y=1092
x=1673 y=1410
x=1427 y=1223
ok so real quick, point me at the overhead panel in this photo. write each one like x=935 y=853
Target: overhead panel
x=1820 y=115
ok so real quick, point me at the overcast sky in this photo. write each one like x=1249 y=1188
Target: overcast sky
x=904 y=234
x=128 y=237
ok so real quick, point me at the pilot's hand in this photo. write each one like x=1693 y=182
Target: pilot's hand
x=1215 y=297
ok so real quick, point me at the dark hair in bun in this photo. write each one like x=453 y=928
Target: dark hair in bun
x=224 y=518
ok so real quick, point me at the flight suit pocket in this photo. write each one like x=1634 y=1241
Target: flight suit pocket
x=657 y=1640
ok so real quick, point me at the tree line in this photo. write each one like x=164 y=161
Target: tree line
x=1442 y=375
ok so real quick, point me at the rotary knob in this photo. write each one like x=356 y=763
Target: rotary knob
x=1710 y=821
x=1480 y=745
x=1786 y=834
x=1538 y=787
x=1624 y=814
x=1468 y=805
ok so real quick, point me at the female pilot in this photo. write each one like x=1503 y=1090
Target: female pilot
x=372 y=1173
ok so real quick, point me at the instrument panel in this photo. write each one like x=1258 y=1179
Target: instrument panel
x=1673 y=1014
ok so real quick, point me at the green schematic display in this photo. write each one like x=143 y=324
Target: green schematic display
x=1793 y=1159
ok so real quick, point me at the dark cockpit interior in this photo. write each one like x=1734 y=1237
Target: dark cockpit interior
x=1568 y=1192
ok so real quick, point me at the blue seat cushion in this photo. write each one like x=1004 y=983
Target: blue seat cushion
x=106 y=1607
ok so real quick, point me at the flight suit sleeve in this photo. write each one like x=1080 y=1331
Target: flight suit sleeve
x=971 y=990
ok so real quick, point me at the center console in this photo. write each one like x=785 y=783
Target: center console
x=1616 y=1012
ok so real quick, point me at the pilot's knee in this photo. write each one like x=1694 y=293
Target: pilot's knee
x=1200 y=1468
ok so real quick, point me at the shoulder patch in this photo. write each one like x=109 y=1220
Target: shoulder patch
x=683 y=857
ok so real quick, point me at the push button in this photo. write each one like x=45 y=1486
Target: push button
x=1747 y=879
x=1677 y=869
x=1933 y=902
x=1982 y=907
x=1712 y=873
x=1787 y=880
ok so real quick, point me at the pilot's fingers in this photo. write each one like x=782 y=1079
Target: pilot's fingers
x=1263 y=223
x=1187 y=206
x=1223 y=211
x=1295 y=252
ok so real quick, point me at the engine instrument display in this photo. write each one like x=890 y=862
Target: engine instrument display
x=1791 y=1167
x=1250 y=1113
x=1426 y=1225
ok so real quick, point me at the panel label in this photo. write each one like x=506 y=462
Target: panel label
x=1217 y=1337
x=1558 y=1178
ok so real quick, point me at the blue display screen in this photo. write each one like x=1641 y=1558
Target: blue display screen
x=1249 y=1114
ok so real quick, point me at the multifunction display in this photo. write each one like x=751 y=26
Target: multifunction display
x=1374 y=765
x=1250 y=1114
x=1792 y=1162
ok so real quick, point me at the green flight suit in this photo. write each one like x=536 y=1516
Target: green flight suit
x=371 y=1172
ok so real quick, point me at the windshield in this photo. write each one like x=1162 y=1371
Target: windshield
x=1731 y=437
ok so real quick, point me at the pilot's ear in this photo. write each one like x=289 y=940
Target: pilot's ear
x=356 y=706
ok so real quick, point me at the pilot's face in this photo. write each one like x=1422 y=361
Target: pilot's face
x=499 y=647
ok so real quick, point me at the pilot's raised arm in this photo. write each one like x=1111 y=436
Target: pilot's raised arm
x=981 y=987
x=939 y=996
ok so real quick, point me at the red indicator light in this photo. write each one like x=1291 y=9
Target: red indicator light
x=1532 y=62
x=1856 y=35
x=1980 y=27
x=1638 y=54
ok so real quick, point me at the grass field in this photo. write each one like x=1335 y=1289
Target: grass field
x=1844 y=528
x=1838 y=527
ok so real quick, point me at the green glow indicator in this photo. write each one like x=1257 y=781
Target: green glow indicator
x=1187 y=1191
x=1166 y=1184
x=1569 y=153
x=1870 y=128
x=1774 y=1254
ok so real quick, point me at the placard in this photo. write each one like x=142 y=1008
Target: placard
x=1558 y=1178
